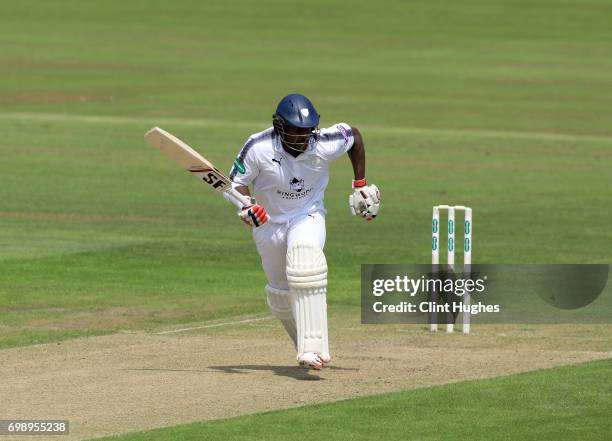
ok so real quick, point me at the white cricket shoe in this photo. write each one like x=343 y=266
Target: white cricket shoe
x=311 y=360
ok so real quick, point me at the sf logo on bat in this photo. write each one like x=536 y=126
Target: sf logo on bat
x=211 y=177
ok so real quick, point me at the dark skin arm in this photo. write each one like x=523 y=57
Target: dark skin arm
x=357 y=155
x=243 y=190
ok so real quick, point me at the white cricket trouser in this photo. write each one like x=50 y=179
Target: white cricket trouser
x=272 y=241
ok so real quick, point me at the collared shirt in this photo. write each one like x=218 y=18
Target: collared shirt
x=284 y=185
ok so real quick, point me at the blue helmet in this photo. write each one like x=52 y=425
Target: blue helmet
x=297 y=111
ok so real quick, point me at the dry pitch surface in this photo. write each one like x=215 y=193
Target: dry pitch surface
x=137 y=381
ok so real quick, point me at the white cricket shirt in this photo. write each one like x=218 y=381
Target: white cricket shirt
x=284 y=185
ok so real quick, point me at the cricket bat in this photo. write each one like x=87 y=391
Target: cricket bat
x=195 y=164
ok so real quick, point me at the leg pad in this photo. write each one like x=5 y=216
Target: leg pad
x=307 y=278
x=280 y=303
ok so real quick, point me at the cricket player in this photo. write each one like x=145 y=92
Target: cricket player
x=287 y=167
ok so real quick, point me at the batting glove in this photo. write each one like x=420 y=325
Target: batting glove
x=365 y=200
x=254 y=215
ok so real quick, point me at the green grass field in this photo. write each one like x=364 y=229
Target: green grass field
x=502 y=106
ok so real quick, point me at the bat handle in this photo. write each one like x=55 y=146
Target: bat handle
x=237 y=198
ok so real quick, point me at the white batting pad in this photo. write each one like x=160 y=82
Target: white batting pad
x=307 y=278
x=281 y=305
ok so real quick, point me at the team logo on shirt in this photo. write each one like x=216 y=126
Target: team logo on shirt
x=296 y=185
x=239 y=165
x=297 y=190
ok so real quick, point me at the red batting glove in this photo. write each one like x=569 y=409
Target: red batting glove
x=254 y=215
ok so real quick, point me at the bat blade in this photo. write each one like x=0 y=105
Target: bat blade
x=193 y=162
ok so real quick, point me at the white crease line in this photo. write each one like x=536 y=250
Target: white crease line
x=215 y=325
x=205 y=122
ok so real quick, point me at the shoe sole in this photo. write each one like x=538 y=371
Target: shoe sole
x=307 y=365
